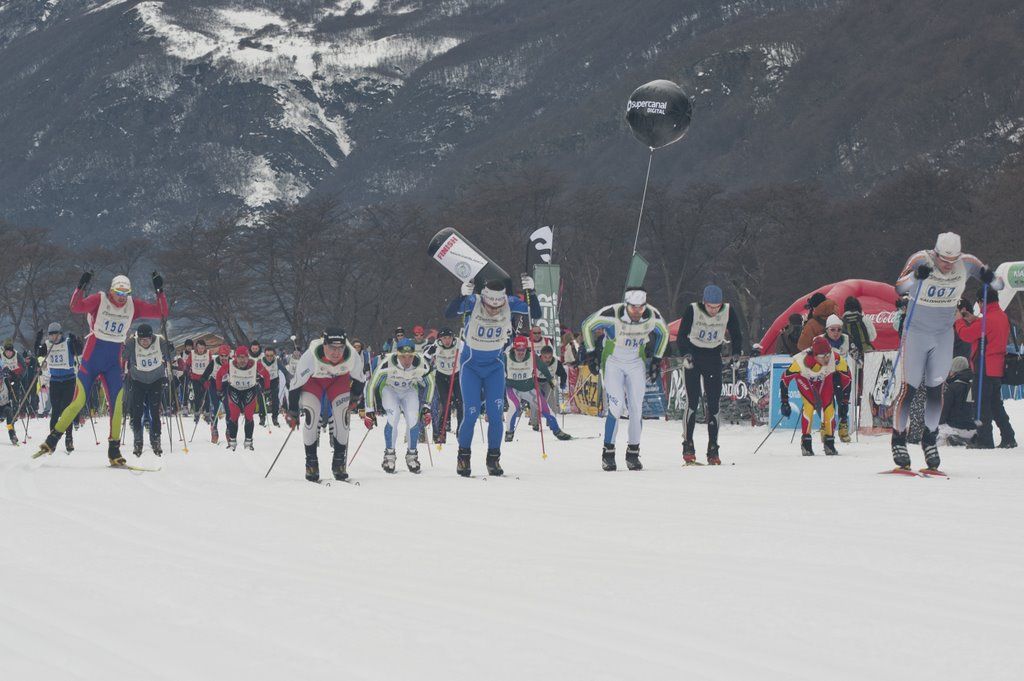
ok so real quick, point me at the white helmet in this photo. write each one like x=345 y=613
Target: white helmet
x=121 y=284
x=947 y=246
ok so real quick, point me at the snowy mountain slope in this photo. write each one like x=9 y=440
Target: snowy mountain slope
x=127 y=114
x=777 y=567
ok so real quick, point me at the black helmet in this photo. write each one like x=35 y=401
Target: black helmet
x=334 y=335
x=145 y=331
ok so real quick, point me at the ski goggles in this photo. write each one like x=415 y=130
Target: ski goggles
x=121 y=292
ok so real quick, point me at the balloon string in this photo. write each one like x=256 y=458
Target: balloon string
x=643 y=200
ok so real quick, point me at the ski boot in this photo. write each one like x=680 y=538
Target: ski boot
x=69 y=442
x=214 y=434
x=114 y=453
x=232 y=443
x=931 y=450
x=1008 y=443
x=389 y=461
x=508 y=435
x=312 y=464
x=339 y=465
x=608 y=457
x=689 y=453
x=154 y=444
x=830 y=446
x=806 y=445
x=462 y=462
x=900 y=455
x=13 y=435
x=633 y=458
x=562 y=435
x=137 y=445
x=412 y=461
x=713 y=459
x=275 y=421
x=49 y=444
x=493 y=462
x=844 y=432
x=263 y=422
x=247 y=444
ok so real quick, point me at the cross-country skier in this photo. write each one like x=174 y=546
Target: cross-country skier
x=245 y=378
x=272 y=399
x=488 y=327
x=814 y=371
x=441 y=356
x=326 y=372
x=398 y=380
x=7 y=404
x=520 y=387
x=146 y=356
x=59 y=352
x=702 y=332
x=198 y=370
x=110 y=315
x=217 y=398
x=935 y=280
x=635 y=335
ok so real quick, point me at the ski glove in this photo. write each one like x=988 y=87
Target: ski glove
x=986 y=275
x=922 y=272
x=292 y=419
x=370 y=420
x=158 y=283
x=527 y=282
x=784 y=407
x=594 y=363
x=687 y=361
x=425 y=416
x=654 y=370
x=467 y=288
x=84 y=280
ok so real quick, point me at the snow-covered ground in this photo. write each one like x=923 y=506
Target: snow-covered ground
x=770 y=567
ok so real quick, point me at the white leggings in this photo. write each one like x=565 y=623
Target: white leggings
x=624 y=388
x=397 y=404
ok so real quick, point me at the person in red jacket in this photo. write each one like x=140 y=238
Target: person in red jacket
x=110 y=316
x=997 y=334
x=246 y=379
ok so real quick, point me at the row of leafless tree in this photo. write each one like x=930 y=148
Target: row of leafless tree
x=304 y=267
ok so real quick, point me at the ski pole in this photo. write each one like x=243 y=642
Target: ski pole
x=286 y=438
x=360 y=446
x=202 y=408
x=981 y=352
x=769 y=434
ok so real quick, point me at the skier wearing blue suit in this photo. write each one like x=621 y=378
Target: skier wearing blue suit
x=485 y=336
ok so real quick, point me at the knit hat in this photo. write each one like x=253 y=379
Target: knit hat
x=820 y=346
x=833 y=320
x=815 y=300
x=947 y=246
x=712 y=294
x=54 y=327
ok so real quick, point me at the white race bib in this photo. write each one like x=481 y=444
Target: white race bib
x=112 y=323
x=707 y=331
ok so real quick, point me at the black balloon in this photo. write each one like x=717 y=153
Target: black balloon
x=658 y=113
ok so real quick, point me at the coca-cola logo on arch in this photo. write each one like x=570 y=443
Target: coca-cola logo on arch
x=882 y=317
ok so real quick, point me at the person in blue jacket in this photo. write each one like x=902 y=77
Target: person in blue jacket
x=486 y=334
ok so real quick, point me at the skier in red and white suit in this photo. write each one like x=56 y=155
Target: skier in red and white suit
x=324 y=375
x=245 y=378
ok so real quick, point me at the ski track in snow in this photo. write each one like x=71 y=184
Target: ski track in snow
x=777 y=567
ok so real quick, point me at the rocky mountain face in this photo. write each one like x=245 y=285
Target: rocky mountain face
x=123 y=115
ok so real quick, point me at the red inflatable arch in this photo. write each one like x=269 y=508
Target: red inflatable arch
x=877 y=299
